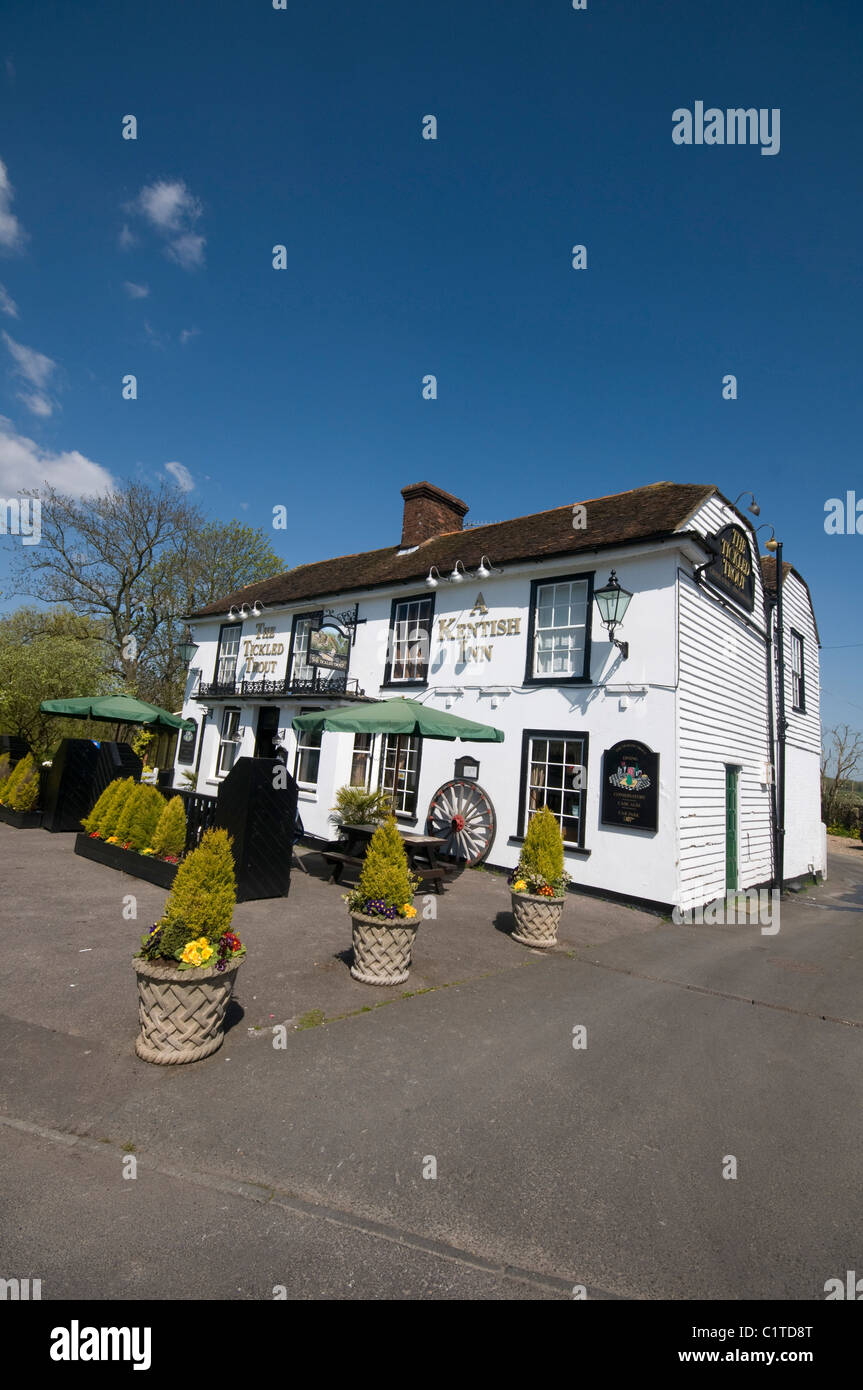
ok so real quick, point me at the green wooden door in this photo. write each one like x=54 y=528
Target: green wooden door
x=731 y=867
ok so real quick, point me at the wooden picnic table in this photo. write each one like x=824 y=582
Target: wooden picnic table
x=418 y=848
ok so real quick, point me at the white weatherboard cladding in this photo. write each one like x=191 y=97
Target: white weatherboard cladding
x=803 y=837
x=803 y=842
x=723 y=720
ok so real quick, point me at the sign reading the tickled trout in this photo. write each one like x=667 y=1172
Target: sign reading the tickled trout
x=731 y=571
x=260 y=651
x=630 y=786
x=472 y=636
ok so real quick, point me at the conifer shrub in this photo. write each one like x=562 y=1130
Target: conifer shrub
x=540 y=868
x=5 y=772
x=100 y=808
x=169 y=837
x=13 y=779
x=24 y=796
x=195 y=926
x=110 y=817
x=140 y=817
x=386 y=887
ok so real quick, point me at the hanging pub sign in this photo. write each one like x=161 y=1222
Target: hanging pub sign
x=731 y=571
x=630 y=786
x=186 y=746
x=330 y=639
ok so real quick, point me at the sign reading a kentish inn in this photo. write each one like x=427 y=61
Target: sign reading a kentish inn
x=731 y=571
x=630 y=786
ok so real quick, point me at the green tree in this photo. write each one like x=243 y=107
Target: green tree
x=25 y=796
x=169 y=837
x=103 y=804
x=543 y=846
x=385 y=874
x=47 y=655
x=140 y=816
x=109 y=818
x=202 y=900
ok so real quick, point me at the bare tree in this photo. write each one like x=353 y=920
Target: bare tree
x=842 y=758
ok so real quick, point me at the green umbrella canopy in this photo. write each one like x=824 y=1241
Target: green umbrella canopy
x=115 y=709
x=397 y=717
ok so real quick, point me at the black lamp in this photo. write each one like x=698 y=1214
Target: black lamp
x=613 y=602
x=754 y=508
x=187 y=647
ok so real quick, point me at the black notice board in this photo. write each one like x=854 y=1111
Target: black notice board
x=187 y=744
x=630 y=786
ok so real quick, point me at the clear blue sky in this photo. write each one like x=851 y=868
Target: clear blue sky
x=405 y=257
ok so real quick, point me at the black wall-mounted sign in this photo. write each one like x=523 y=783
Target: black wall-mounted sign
x=186 y=745
x=731 y=571
x=467 y=768
x=630 y=786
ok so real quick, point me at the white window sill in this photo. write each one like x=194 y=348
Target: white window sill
x=306 y=794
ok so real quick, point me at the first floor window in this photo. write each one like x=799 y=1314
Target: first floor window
x=229 y=741
x=229 y=647
x=410 y=637
x=400 y=770
x=308 y=756
x=554 y=774
x=798 y=688
x=361 y=762
x=560 y=630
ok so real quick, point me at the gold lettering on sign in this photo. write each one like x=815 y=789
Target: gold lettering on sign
x=479 y=606
x=736 y=567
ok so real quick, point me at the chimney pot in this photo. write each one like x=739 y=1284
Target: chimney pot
x=429 y=511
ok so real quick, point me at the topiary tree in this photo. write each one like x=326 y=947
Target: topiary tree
x=13 y=779
x=386 y=881
x=140 y=817
x=543 y=846
x=5 y=771
x=25 y=794
x=101 y=807
x=202 y=900
x=169 y=837
x=110 y=817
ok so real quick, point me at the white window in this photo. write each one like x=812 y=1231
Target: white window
x=400 y=770
x=229 y=648
x=300 y=668
x=361 y=762
x=410 y=622
x=229 y=741
x=560 y=629
x=555 y=775
x=308 y=757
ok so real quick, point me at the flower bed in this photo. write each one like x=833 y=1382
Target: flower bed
x=21 y=820
x=150 y=867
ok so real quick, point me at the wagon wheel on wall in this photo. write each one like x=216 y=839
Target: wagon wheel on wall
x=462 y=814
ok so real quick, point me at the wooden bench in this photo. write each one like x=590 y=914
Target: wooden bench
x=338 y=862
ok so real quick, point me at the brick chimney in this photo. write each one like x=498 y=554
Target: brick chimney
x=429 y=511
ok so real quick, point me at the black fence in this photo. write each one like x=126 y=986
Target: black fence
x=200 y=814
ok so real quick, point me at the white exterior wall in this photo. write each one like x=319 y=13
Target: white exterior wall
x=723 y=721
x=803 y=839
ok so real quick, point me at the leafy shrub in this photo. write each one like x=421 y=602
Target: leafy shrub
x=540 y=868
x=102 y=804
x=386 y=887
x=169 y=837
x=201 y=902
x=140 y=817
x=25 y=794
x=357 y=806
x=8 y=790
x=110 y=817
x=5 y=771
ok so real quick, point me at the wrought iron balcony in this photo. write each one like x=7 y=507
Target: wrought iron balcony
x=334 y=684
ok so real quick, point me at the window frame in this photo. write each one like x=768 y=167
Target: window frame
x=556 y=678
x=225 y=741
x=795 y=679
x=528 y=735
x=369 y=755
x=415 y=682
x=227 y=627
x=300 y=736
x=401 y=814
x=295 y=622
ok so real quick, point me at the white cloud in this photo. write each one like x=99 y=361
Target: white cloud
x=12 y=234
x=34 y=366
x=23 y=464
x=173 y=210
x=136 y=291
x=186 y=334
x=126 y=238
x=37 y=404
x=7 y=303
x=181 y=475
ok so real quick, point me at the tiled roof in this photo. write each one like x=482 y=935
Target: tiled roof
x=768 y=573
x=644 y=513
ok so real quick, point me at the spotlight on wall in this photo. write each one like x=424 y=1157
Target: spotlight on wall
x=245 y=611
x=613 y=602
x=257 y=608
x=486 y=568
x=233 y=613
x=754 y=507
x=459 y=574
x=772 y=543
x=430 y=577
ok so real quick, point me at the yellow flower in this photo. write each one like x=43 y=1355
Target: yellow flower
x=409 y=910
x=519 y=886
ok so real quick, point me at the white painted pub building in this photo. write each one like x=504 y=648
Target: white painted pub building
x=657 y=743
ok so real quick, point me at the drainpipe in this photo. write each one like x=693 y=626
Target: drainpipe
x=781 y=724
x=771 y=729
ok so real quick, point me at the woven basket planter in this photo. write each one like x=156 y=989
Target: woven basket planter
x=181 y=1012
x=382 y=950
x=536 y=919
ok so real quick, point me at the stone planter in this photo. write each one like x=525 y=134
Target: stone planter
x=536 y=919
x=181 y=1012
x=128 y=861
x=382 y=949
x=21 y=820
